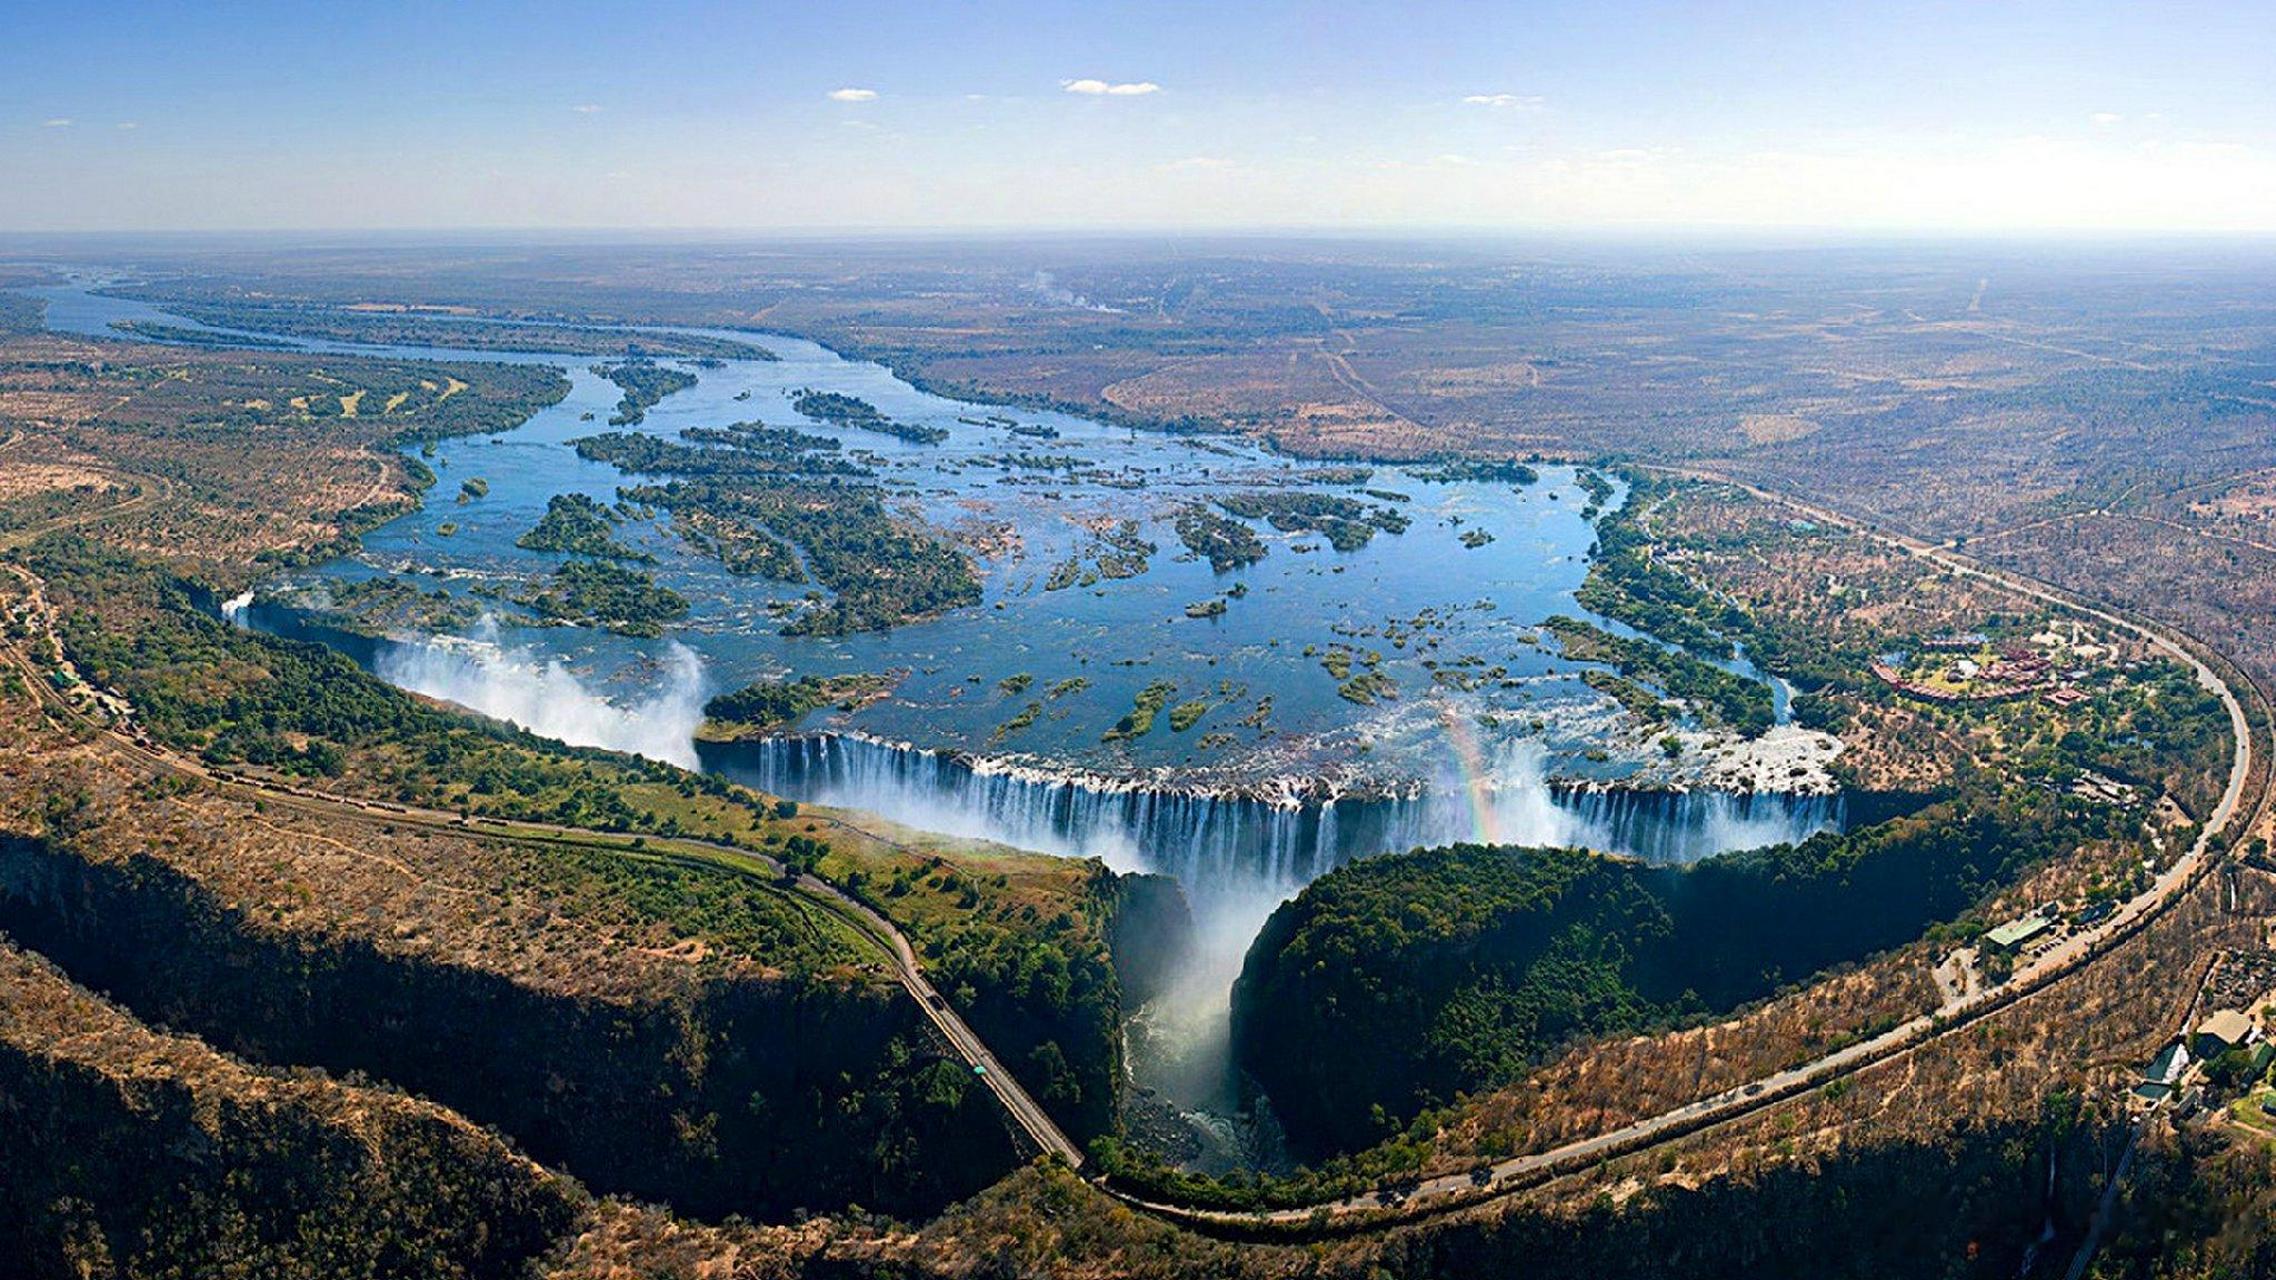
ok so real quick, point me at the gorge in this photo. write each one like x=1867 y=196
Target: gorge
x=1360 y=683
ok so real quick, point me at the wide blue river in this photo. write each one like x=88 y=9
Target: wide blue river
x=1478 y=731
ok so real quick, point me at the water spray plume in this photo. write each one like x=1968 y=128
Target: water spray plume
x=545 y=697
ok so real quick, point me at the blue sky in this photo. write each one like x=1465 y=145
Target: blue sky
x=1983 y=116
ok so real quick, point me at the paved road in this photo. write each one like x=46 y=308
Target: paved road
x=1024 y=1110
x=1457 y=1190
x=1465 y=1189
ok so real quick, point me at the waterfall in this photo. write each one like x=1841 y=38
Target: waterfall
x=1216 y=842
x=1237 y=856
x=1240 y=857
x=542 y=695
x=1683 y=826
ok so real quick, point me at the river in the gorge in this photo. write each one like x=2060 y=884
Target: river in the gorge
x=1476 y=730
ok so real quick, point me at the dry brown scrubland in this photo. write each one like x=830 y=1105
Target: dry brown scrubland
x=501 y=907
x=2221 y=591
x=119 y=1132
x=579 y=999
x=1381 y=390
x=213 y=457
x=1930 y=1161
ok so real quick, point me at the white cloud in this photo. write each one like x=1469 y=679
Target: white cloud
x=2106 y=118
x=1195 y=164
x=852 y=95
x=129 y=124
x=59 y=122
x=1505 y=101
x=1097 y=88
x=587 y=108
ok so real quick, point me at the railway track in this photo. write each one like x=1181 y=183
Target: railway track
x=1471 y=1188
x=1451 y=1192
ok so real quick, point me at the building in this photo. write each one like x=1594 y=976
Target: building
x=2222 y=1032
x=2163 y=1073
x=2018 y=934
x=2104 y=789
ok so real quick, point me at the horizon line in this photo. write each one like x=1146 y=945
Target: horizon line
x=1365 y=230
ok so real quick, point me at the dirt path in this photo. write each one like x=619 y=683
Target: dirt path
x=1339 y=368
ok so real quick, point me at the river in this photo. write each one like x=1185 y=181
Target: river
x=1477 y=729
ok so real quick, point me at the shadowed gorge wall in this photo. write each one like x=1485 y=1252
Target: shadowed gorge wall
x=134 y=1153
x=1149 y=935
x=717 y=1095
x=1400 y=981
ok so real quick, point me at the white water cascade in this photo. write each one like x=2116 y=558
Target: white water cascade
x=1218 y=842
x=1239 y=857
x=545 y=697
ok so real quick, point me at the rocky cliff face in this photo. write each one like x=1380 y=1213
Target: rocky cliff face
x=129 y=1152
x=1396 y=983
x=1149 y=934
x=727 y=1093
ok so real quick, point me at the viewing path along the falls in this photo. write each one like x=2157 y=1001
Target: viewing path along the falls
x=1438 y=1195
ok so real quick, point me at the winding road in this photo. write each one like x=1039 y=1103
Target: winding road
x=1469 y=1188
x=1437 y=1195
x=881 y=932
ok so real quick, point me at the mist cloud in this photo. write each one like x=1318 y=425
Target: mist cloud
x=545 y=697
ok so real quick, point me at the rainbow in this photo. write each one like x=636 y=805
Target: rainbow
x=1475 y=777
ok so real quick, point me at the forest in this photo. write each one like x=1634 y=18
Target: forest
x=595 y=593
x=854 y=412
x=1347 y=523
x=575 y=523
x=1019 y=940
x=883 y=571
x=750 y=454
x=769 y=705
x=1717 y=697
x=1225 y=544
x=1399 y=982
x=645 y=384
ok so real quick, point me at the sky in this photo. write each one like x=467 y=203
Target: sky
x=843 y=115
